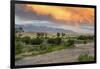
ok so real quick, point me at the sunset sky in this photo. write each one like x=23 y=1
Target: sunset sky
x=77 y=19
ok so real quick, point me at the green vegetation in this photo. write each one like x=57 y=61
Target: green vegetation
x=18 y=47
x=42 y=43
x=88 y=37
x=54 y=41
x=36 y=41
x=70 y=42
x=26 y=39
x=85 y=57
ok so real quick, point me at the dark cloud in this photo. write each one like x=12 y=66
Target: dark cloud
x=23 y=14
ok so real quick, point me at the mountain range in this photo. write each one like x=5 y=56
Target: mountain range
x=33 y=28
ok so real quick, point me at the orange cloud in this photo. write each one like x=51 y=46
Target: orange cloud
x=72 y=15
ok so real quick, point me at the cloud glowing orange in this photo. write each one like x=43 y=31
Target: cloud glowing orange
x=72 y=15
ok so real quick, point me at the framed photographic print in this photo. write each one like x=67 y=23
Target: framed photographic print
x=50 y=34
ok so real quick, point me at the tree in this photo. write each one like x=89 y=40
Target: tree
x=63 y=34
x=42 y=34
x=58 y=34
x=38 y=35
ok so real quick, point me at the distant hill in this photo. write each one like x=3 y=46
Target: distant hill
x=32 y=28
x=18 y=28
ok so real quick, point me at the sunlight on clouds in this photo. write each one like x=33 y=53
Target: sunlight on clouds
x=73 y=15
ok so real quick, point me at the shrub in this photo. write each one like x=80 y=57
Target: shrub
x=26 y=39
x=43 y=47
x=36 y=41
x=18 y=47
x=81 y=37
x=85 y=41
x=70 y=42
x=54 y=40
x=17 y=38
x=27 y=48
x=88 y=37
x=85 y=57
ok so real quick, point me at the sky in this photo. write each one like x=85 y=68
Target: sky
x=77 y=19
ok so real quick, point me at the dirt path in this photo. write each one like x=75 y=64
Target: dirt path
x=65 y=55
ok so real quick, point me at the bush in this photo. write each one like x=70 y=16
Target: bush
x=18 y=47
x=43 y=47
x=28 y=49
x=85 y=57
x=54 y=41
x=26 y=39
x=85 y=41
x=70 y=42
x=17 y=38
x=36 y=41
x=82 y=37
